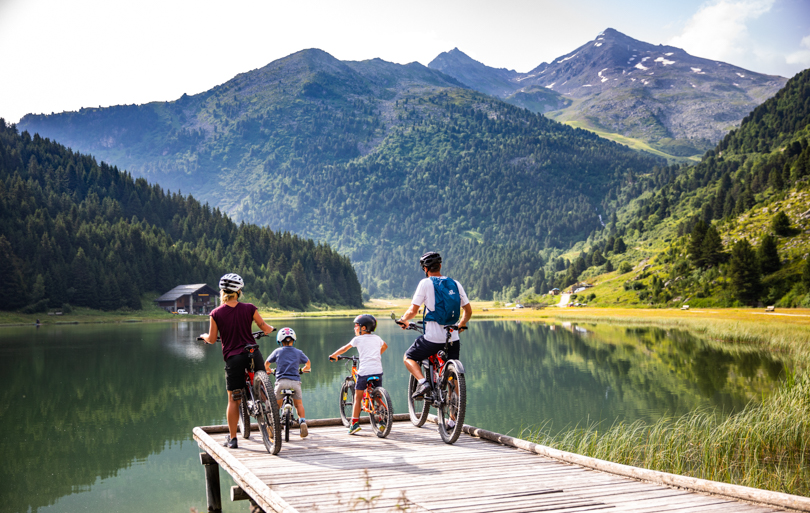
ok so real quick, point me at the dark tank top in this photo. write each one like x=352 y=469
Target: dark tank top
x=234 y=324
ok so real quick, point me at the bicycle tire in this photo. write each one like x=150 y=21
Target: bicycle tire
x=382 y=414
x=454 y=405
x=267 y=412
x=417 y=408
x=244 y=416
x=346 y=402
x=287 y=422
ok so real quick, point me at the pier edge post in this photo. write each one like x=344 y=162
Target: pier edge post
x=212 y=493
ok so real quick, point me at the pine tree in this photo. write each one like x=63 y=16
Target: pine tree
x=806 y=274
x=696 y=243
x=618 y=247
x=780 y=224
x=744 y=273
x=711 y=251
x=768 y=256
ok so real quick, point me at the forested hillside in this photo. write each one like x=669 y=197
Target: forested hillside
x=733 y=229
x=379 y=160
x=76 y=232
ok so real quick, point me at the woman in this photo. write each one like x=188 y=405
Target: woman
x=233 y=322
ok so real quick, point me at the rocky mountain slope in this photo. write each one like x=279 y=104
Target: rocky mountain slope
x=679 y=103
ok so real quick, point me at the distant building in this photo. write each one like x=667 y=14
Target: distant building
x=197 y=298
x=554 y=292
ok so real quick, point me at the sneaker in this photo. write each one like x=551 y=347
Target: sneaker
x=449 y=423
x=230 y=443
x=355 y=428
x=421 y=390
x=303 y=430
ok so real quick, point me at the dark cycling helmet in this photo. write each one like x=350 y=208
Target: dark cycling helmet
x=231 y=283
x=430 y=259
x=366 y=320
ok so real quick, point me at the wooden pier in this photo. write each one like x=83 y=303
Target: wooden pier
x=413 y=470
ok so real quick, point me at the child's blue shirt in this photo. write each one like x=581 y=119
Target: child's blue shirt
x=287 y=360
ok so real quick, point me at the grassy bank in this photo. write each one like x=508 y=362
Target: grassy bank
x=765 y=446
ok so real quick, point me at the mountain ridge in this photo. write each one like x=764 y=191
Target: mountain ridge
x=673 y=98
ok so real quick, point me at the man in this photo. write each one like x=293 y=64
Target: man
x=434 y=338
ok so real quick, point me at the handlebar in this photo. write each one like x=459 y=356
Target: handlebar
x=416 y=325
x=256 y=335
x=353 y=358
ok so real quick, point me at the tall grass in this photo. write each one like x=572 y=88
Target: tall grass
x=764 y=446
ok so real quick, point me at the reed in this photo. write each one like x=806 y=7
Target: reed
x=764 y=446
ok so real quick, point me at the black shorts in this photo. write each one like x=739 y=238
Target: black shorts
x=235 y=368
x=421 y=349
x=362 y=381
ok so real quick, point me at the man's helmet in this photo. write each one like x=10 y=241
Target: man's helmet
x=285 y=333
x=231 y=283
x=430 y=259
x=366 y=320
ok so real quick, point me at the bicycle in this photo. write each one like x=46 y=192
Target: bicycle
x=288 y=411
x=376 y=401
x=264 y=410
x=448 y=385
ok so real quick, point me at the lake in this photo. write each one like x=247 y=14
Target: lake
x=99 y=417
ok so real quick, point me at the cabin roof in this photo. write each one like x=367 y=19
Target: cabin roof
x=184 y=290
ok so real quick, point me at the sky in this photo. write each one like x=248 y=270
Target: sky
x=59 y=55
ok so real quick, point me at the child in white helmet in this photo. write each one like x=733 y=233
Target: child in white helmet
x=287 y=359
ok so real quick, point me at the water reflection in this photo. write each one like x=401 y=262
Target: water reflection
x=100 y=417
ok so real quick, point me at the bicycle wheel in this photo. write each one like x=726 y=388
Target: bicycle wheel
x=417 y=408
x=244 y=415
x=287 y=422
x=454 y=392
x=346 y=402
x=267 y=412
x=382 y=414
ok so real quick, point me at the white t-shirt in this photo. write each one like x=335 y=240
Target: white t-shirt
x=368 y=346
x=425 y=295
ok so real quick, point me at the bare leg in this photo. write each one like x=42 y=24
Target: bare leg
x=232 y=414
x=413 y=367
x=358 y=398
x=299 y=407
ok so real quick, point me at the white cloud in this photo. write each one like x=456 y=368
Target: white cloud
x=801 y=56
x=719 y=30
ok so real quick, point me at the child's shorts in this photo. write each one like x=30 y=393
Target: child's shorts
x=362 y=381
x=283 y=384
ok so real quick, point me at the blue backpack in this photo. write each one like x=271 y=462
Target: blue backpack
x=448 y=302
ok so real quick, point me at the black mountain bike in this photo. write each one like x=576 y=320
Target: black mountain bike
x=448 y=388
x=259 y=401
x=376 y=401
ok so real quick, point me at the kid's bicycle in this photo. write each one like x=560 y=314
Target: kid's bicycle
x=259 y=401
x=376 y=401
x=448 y=388
x=288 y=411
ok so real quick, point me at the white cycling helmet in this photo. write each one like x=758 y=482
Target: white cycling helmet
x=231 y=283
x=285 y=333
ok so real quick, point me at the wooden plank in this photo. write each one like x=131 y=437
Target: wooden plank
x=332 y=471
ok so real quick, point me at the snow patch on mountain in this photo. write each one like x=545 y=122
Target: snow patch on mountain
x=641 y=66
x=663 y=61
x=598 y=44
x=567 y=58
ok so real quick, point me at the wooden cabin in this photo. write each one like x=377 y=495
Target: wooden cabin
x=197 y=298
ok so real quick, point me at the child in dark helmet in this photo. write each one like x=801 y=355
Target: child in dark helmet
x=370 y=348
